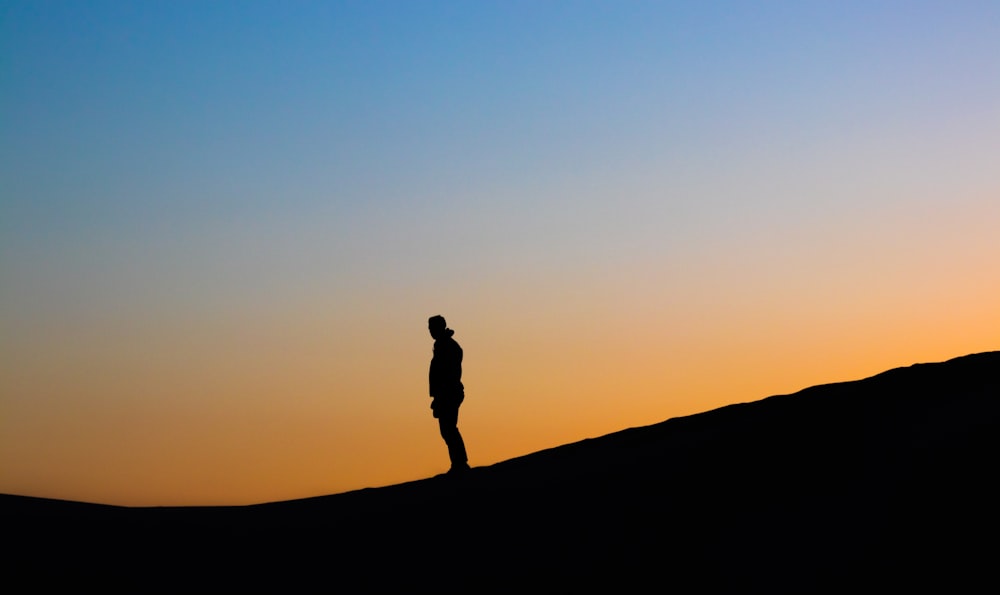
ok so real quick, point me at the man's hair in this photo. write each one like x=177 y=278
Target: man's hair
x=437 y=320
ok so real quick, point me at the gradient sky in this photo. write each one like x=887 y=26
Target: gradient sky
x=223 y=225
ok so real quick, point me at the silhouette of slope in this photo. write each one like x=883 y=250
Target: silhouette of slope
x=883 y=483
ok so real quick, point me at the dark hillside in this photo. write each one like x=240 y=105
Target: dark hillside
x=882 y=483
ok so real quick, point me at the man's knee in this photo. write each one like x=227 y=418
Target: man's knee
x=449 y=431
x=448 y=424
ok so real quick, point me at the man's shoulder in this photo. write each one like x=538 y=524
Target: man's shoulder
x=447 y=344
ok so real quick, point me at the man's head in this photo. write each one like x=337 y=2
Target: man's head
x=436 y=325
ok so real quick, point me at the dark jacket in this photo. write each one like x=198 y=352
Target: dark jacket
x=445 y=375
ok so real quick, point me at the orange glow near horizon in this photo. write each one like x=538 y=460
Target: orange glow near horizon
x=298 y=414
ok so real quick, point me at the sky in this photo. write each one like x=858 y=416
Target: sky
x=223 y=225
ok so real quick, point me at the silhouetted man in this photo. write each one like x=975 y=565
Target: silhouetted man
x=447 y=391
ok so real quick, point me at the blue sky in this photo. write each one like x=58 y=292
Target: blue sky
x=202 y=108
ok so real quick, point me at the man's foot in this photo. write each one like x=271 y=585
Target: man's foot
x=459 y=469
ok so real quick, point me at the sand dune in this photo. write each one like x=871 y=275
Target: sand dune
x=882 y=483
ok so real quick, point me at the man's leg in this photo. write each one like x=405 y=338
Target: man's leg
x=448 y=423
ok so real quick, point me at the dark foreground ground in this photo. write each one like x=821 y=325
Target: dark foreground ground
x=883 y=484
